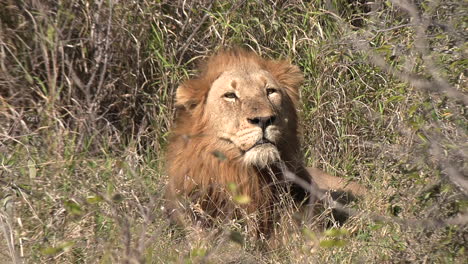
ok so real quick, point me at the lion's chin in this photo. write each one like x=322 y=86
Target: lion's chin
x=262 y=156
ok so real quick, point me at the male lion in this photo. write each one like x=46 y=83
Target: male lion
x=237 y=124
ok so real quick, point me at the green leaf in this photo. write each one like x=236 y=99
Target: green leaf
x=32 y=169
x=375 y=226
x=422 y=137
x=328 y=243
x=73 y=207
x=219 y=155
x=64 y=247
x=232 y=187
x=198 y=252
x=242 y=199
x=94 y=199
x=51 y=33
x=51 y=250
x=395 y=98
x=336 y=232
x=413 y=109
x=309 y=234
x=236 y=237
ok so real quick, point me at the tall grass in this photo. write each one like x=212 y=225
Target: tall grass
x=86 y=93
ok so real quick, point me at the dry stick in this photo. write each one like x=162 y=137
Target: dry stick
x=453 y=174
x=6 y=228
x=412 y=79
x=439 y=84
x=105 y=50
x=123 y=222
x=421 y=24
x=195 y=31
x=456 y=177
x=133 y=254
x=100 y=53
x=461 y=219
x=148 y=217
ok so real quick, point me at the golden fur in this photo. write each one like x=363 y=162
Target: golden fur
x=238 y=100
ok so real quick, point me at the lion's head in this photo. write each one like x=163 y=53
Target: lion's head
x=244 y=103
x=234 y=123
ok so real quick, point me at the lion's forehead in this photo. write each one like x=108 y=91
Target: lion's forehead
x=243 y=80
x=247 y=73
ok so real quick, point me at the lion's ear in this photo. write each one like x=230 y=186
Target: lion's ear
x=288 y=75
x=186 y=97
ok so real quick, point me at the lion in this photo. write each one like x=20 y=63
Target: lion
x=236 y=125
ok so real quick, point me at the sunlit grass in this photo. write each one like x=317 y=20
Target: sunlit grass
x=86 y=106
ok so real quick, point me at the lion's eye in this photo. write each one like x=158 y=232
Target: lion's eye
x=271 y=91
x=230 y=95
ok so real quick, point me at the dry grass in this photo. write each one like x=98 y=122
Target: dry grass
x=86 y=101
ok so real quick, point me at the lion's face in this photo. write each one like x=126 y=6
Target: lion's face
x=242 y=106
x=244 y=109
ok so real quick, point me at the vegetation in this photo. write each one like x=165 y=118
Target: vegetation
x=86 y=103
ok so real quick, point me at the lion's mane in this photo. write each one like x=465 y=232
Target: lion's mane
x=199 y=172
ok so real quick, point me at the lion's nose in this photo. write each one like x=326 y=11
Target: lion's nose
x=262 y=122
